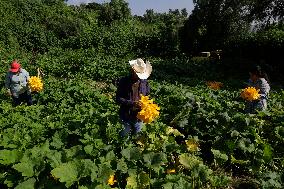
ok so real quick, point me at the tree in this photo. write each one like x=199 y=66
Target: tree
x=266 y=11
x=94 y=6
x=184 y=12
x=149 y=16
x=115 y=10
x=212 y=22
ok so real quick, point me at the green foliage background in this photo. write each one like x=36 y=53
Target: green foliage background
x=70 y=139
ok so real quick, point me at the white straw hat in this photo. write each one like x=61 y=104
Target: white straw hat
x=143 y=70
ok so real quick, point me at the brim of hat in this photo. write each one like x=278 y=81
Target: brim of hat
x=132 y=62
x=147 y=73
x=143 y=75
x=14 y=70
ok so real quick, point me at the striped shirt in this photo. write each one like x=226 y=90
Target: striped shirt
x=264 y=89
x=262 y=85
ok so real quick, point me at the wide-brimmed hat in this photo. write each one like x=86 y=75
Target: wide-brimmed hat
x=15 y=66
x=143 y=70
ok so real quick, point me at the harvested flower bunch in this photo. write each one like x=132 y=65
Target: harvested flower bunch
x=149 y=110
x=250 y=94
x=35 y=84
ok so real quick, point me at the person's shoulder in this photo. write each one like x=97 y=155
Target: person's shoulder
x=124 y=79
x=120 y=81
x=262 y=81
x=24 y=71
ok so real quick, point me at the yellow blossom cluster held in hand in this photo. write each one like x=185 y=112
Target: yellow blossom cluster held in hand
x=250 y=94
x=111 y=181
x=149 y=110
x=36 y=84
x=192 y=145
x=214 y=85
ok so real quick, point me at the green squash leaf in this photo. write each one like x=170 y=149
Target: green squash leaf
x=66 y=172
x=8 y=157
x=28 y=184
x=26 y=168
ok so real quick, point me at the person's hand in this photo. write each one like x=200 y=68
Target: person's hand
x=136 y=105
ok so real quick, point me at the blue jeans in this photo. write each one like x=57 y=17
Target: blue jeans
x=24 y=97
x=132 y=127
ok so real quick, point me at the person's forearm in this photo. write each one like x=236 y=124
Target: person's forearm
x=124 y=101
x=7 y=82
x=7 y=85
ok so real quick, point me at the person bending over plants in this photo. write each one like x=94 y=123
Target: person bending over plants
x=128 y=94
x=17 y=84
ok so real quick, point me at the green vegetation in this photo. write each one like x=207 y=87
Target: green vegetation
x=70 y=138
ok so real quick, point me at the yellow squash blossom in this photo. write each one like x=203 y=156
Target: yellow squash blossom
x=250 y=94
x=214 y=85
x=192 y=145
x=170 y=171
x=35 y=84
x=111 y=181
x=149 y=110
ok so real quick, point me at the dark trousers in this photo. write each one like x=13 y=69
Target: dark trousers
x=24 y=97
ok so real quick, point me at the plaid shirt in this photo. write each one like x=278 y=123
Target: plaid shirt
x=125 y=96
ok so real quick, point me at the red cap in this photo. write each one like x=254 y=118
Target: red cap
x=15 y=66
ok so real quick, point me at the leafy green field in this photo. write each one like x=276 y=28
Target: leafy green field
x=70 y=138
x=202 y=139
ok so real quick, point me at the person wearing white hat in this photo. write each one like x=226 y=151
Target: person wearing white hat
x=128 y=95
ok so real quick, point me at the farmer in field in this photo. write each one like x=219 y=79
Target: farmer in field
x=17 y=86
x=259 y=80
x=128 y=95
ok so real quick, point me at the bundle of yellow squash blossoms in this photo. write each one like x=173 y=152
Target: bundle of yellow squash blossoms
x=250 y=94
x=214 y=85
x=149 y=110
x=35 y=84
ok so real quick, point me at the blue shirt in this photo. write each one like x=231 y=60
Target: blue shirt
x=17 y=83
x=126 y=95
